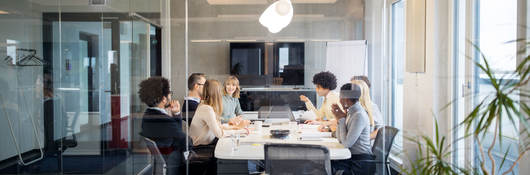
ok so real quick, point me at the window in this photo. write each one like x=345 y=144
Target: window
x=398 y=62
x=12 y=50
x=284 y=58
x=460 y=81
x=494 y=32
x=289 y=62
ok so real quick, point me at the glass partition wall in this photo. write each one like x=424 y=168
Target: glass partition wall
x=70 y=75
x=275 y=63
x=71 y=72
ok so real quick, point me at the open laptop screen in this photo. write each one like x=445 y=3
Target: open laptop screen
x=275 y=112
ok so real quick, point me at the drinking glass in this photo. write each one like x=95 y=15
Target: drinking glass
x=235 y=141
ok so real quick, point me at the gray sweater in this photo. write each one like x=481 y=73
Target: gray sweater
x=353 y=131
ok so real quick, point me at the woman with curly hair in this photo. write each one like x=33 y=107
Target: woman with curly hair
x=325 y=83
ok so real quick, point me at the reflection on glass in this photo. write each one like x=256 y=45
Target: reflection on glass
x=495 y=31
x=398 y=66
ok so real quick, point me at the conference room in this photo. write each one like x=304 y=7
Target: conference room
x=273 y=87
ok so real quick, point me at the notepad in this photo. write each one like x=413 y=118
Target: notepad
x=310 y=139
x=307 y=135
x=307 y=126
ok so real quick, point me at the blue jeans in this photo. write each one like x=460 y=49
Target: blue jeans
x=255 y=166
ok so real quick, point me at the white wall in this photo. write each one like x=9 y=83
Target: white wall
x=374 y=33
x=523 y=32
x=424 y=93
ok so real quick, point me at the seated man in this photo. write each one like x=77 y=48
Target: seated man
x=195 y=85
x=191 y=102
x=162 y=123
x=353 y=132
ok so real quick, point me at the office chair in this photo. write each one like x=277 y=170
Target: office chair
x=297 y=159
x=158 y=164
x=381 y=149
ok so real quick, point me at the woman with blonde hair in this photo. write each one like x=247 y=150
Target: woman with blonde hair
x=231 y=108
x=374 y=115
x=206 y=126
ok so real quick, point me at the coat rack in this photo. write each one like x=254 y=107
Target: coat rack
x=27 y=58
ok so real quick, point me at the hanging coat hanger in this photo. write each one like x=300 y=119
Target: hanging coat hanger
x=8 y=60
x=31 y=59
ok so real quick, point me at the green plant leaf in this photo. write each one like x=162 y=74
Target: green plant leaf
x=504 y=158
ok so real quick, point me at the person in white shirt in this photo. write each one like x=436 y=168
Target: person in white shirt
x=325 y=83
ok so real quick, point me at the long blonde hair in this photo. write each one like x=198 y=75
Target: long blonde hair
x=212 y=96
x=233 y=80
x=365 y=99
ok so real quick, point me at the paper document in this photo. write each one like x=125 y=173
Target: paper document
x=307 y=135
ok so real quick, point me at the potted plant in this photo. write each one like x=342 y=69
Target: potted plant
x=488 y=115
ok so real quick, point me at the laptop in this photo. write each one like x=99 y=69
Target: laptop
x=275 y=114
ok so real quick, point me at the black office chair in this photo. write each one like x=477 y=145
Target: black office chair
x=297 y=159
x=158 y=164
x=381 y=149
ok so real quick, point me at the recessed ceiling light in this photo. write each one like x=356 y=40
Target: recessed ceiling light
x=3 y=12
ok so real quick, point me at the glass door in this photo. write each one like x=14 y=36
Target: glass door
x=82 y=80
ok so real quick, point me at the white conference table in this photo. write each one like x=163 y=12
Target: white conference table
x=252 y=146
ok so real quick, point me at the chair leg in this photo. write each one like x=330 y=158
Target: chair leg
x=388 y=169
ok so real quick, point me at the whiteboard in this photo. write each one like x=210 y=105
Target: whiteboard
x=346 y=59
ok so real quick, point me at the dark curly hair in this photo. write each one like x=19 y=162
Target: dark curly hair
x=325 y=79
x=152 y=90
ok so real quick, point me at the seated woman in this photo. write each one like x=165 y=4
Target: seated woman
x=206 y=124
x=162 y=122
x=325 y=82
x=376 y=118
x=353 y=132
x=231 y=108
x=206 y=128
